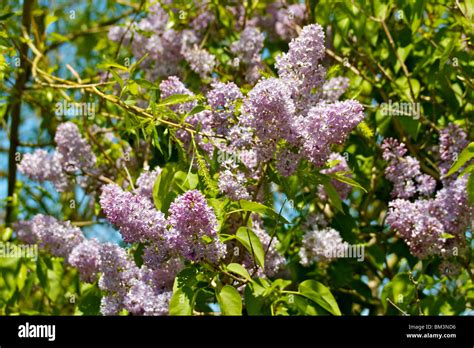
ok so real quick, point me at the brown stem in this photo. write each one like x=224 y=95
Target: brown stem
x=22 y=77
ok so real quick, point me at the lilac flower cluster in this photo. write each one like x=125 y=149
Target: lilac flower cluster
x=85 y=257
x=404 y=171
x=300 y=67
x=222 y=98
x=286 y=108
x=72 y=154
x=146 y=181
x=192 y=234
x=127 y=286
x=424 y=223
x=327 y=124
x=452 y=140
x=75 y=152
x=233 y=185
x=117 y=272
x=140 y=291
x=288 y=19
x=160 y=273
x=414 y=223
x=194 y=228
x=152 y=36
x=321 y=246
x=248 y=50
x=190 y=230
x=61 y=239
x=41 y=166
x=269 y=110
x=51 y=235
x=433 y=226
x=135 y=215
x=282 y=21
x=334 y=88
x=249 y=46
x=144 y=299
x=200 y=61
x=287 y=161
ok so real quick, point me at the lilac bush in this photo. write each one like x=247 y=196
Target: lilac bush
x=243 y=151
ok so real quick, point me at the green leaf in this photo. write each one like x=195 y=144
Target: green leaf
x=465 y=156
x=117 y=78
x=333 y=195
x=470 y=188
x=181 y=302
x=410 y=125
x=347 y=180
x=112 y=65
x=6 y=16
x=55 y=37
x=196 y=109
x=186 y=181
x=162 y=188
x=89 y=303
x=137 y=63
x=21 y=276
x=42 y=272
x=253 y=304
x=176 y=99
x=320 y=294
x=307 y=307
x=146 y=84
x=229 y=300
x=468 y=169
x=132 y=87
x=239 y=269
x=400 y=290
x=252 y=243
x=260 y=209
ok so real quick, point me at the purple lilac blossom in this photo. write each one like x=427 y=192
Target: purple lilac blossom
x=85 y=257
x=41 y=166
x=270 y=111
x=423 y=223
x=320 y=245
x=300 y=67
x=56 y=237
x=194 y=228
x=134 y=215
x=404 y=171
x=76 y=153
x=327 y=124
x=288 y=20
x=200 y=61
x=146 y=181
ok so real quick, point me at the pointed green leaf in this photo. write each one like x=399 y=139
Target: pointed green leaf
x=229 y=300
x=320 y=294
x=252 y=243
